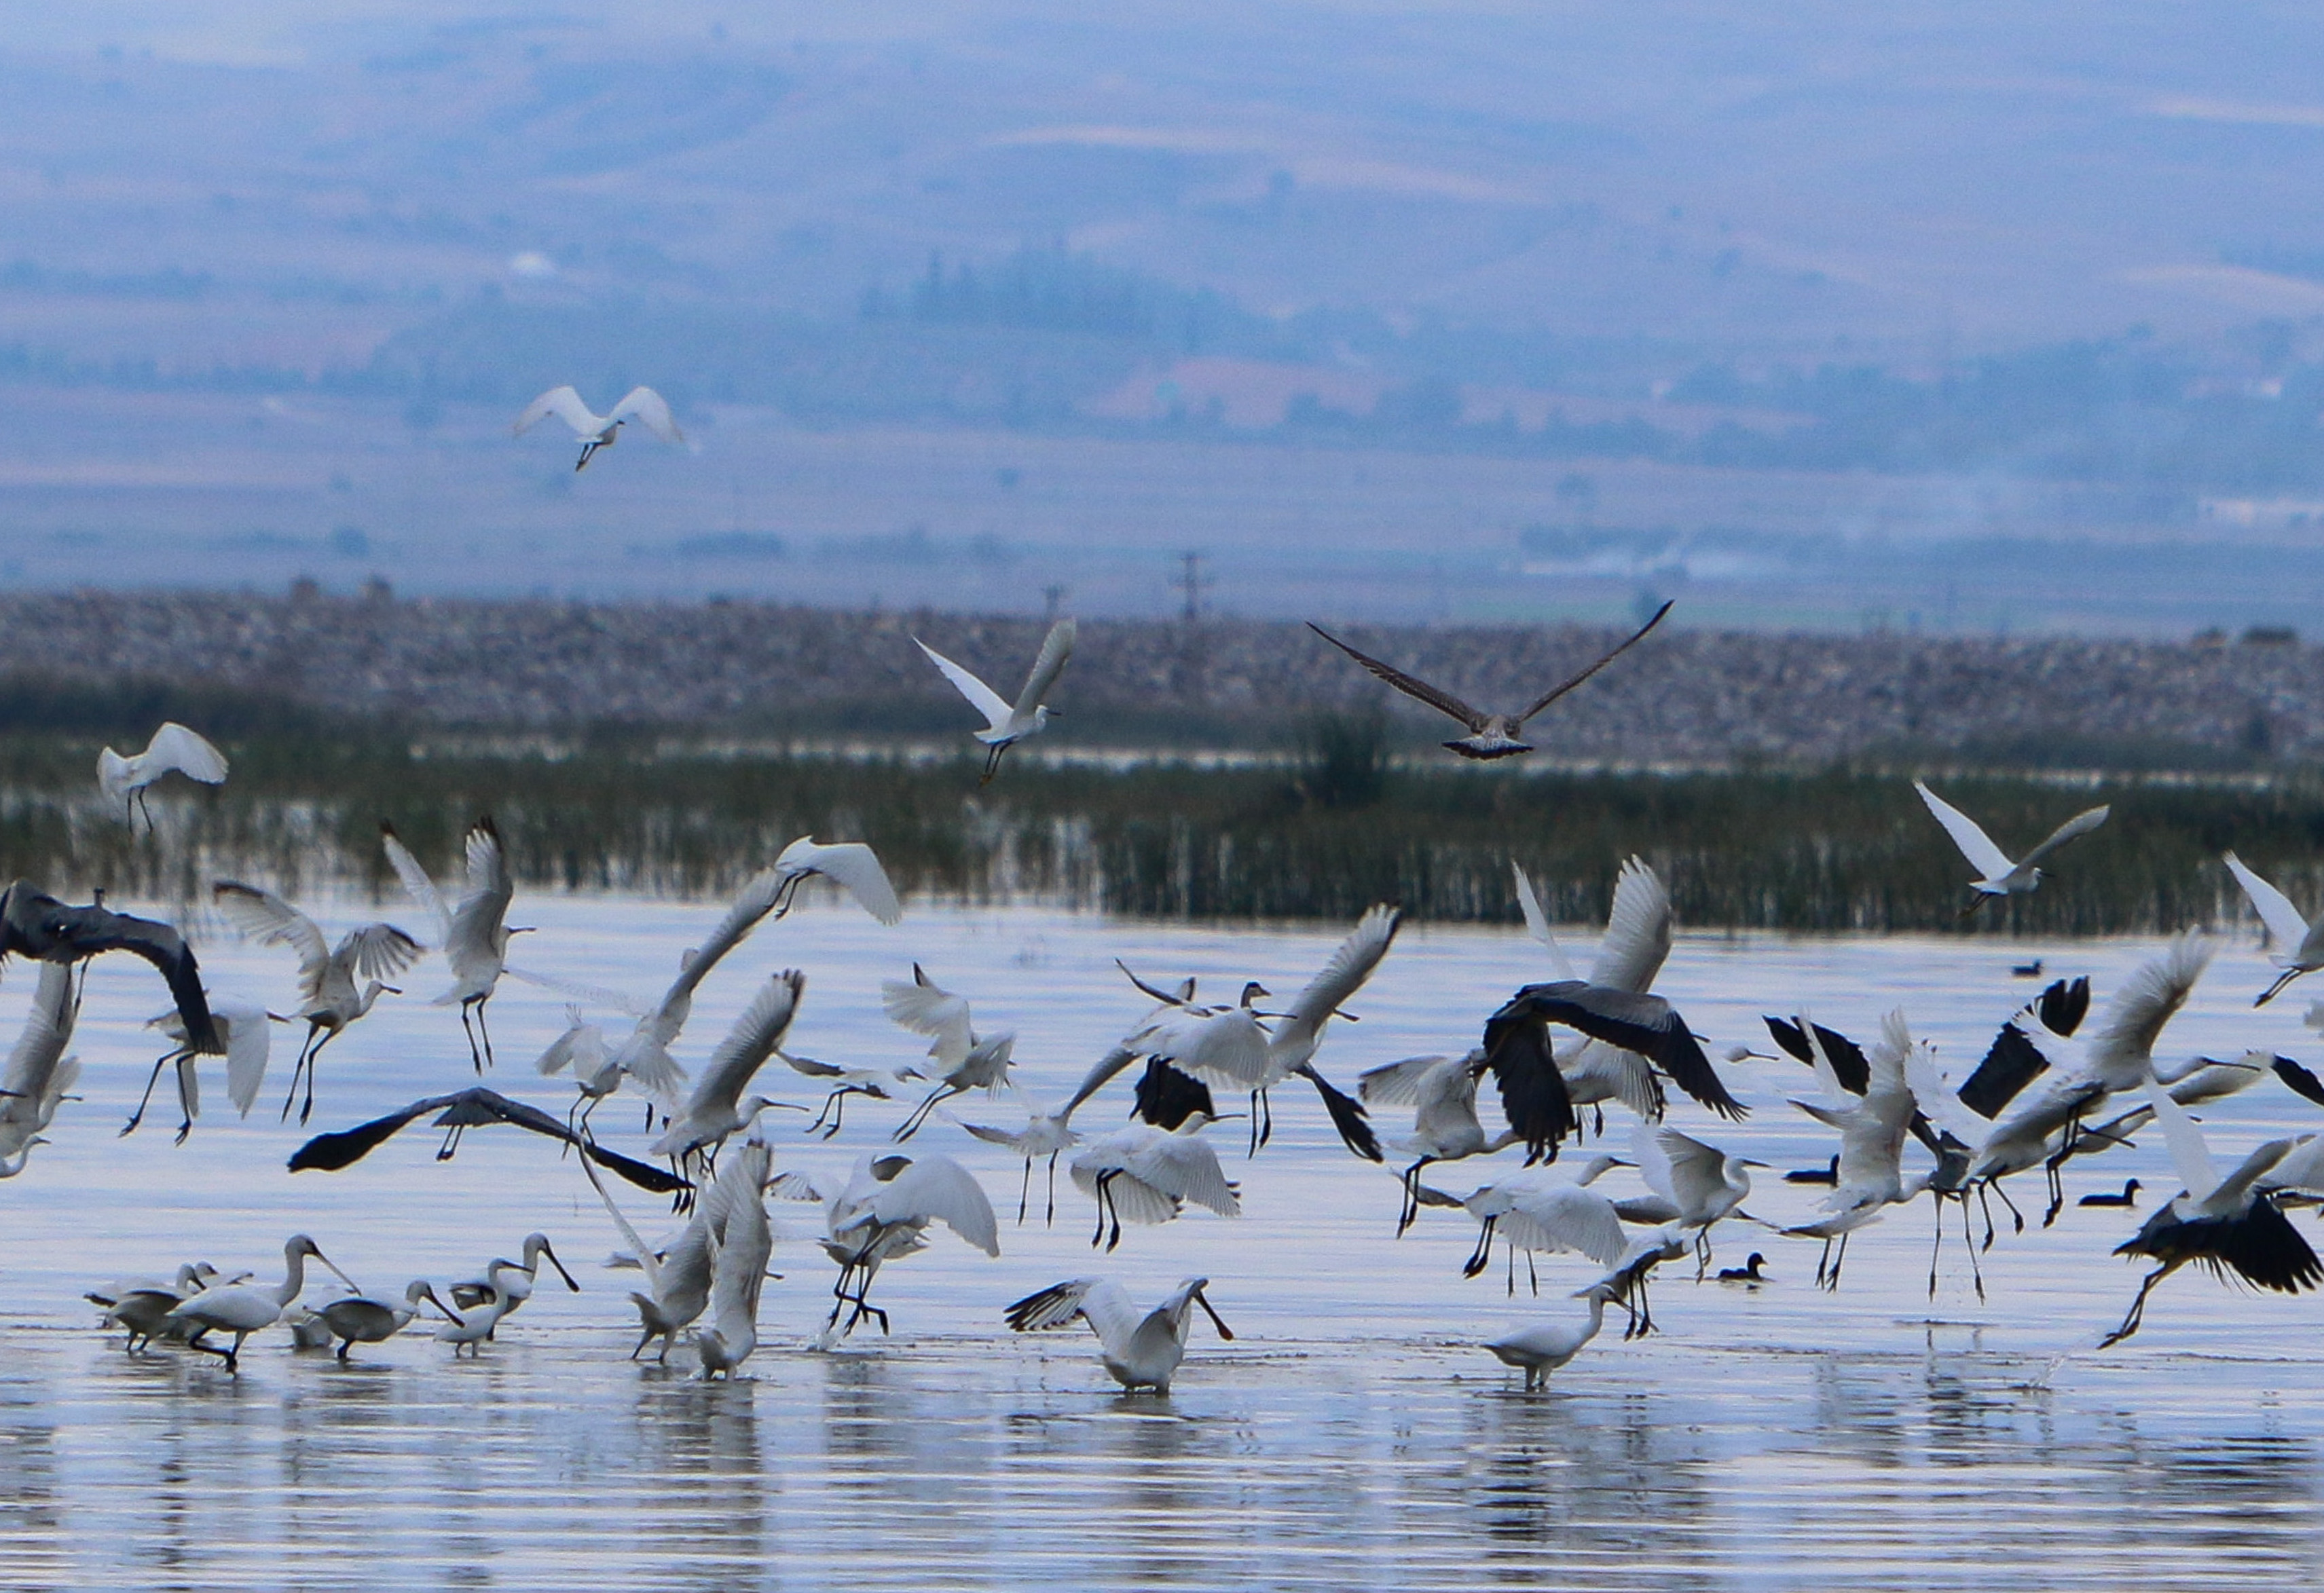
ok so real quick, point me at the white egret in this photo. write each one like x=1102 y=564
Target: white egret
x=882 y=1212
x=359 y=1319
x=1051 y=1133
x=2227 y=1222
x=678 y=1278
x=1491 y=735
x=1230 y=1048
x=245 y=1308
x=964 y=1059
x=1142 y=1350
x=716 y=1111
x=2299 y=943
x=330 y=1000
x=1545 y=1346
x=474 y=936
x=1535 y=1209
x=1441 y=1090
x=509 y=1282
x=1702 y=1183
x=1007 y=723
x=1998 y=875
x=741 y=1241
x=601 y=431
x=174 y=749
x=1873 y=1124
x=1144 y=1175
x=873 y=1083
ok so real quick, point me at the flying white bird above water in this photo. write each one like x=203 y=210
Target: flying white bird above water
x=473 y=935
x=174 y=749
x=716 y=1111
x=1491 y=735
x=1537 y=1210
x=964 y=1059
x=601 y=431
x=245 y=1308
x=1050 y=1133
x=330 y=1000
x=1142 y=1350
x=1998 y=875
x=1007 y=723
x=883 y=1213
x=740 y=1242
x=1544 y=1346
x=1144 y=1175
x=245 y=1027
x=2299 y=943
x=1702 y=1183
x=874 y=1083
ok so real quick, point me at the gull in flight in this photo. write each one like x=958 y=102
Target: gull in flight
x=1141 y=1352
x=2001 y=877
x=1005 y=725
x=1491 y=735
x=172 y=748
x=2299 y=944
x=599 y=432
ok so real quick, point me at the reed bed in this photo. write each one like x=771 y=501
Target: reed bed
x=1338 y=827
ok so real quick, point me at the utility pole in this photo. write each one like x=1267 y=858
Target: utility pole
x=1190 y=582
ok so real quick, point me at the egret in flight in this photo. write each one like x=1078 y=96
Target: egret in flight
x=1007 y=723
x=1141 y=1350
x=1999 y=875
x=1491 y=735
x=601 y=431
x=2299 y=943
x=474 y=936
x=174 y=749
x=882 y=1212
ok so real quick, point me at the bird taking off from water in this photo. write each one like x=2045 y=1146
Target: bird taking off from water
x=2002 y=877
x=1005 y=725
x=1141 y=1351
x=172 y=748
x=599 y=432
x=1491 y=735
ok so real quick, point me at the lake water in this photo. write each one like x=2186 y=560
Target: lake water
x=1352 y=1435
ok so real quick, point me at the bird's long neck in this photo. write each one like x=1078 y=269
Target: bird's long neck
x=294 y=1275
x=1596 y=1315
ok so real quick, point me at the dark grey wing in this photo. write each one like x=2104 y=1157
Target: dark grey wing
x=1846 y=1058
x=2011 y=1063
x=1558 y=692
x=1168 y=1098
x=1443 y=702
x=1534 y=1097
x=328 y=1152
x=88 y=931
x=476 y=1107
x=1645 y=1023
x=1348 y=1115
x=2299 y=1080
x=2063 y=1005
x=1165 y=998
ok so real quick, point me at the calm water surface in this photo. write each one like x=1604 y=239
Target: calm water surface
x=1351 y=1436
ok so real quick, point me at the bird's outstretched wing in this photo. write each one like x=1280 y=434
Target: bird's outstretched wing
x=1352 y=965
x=2081 y=823
x=927 y=1007
x=752 y=1039
x=382 y=951
x=471 y=1108
x=265 y=917
x=2135 y=1019
x=1412 y=686
x=981 y=696
x=1556 y=692
x=2283 y=921
x=1637 y=931
x=648 y=407
x=48 y=1030
x=1396 y=1084
x=1988 y=859
x=1056 y=649
x=1536 y=923
x=2011 y=1063
x=1626 y=1020
x=1845 y=1057
x=1348 y=1114
x=852 y=866
x=90 y=931
x=939 y=1189
x=565 y=404
x=2299 y=1080
x=174 y=746
x=416 y=883
x=2062 y=1006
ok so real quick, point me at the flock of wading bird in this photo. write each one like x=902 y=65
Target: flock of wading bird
x=2054 y=1086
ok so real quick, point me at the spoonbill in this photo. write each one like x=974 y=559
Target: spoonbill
x=473 y=1326
x=741 y=1241
x=1534 y=1209
x=1144 y=1175
x=1998 y=875
x=509 y=1282
x=601 y=431
x=359 y=1319
x=1545 y=1346
x=2299 y=944
x=882 y=1212
x=174 y=749
x=245 y=1308
x=1141 y=1350
x=716 y=1109
x=328 y=999
x=1230 y=1048
x=677 y=1279
x=2225 y=1222
x=474 y=936
x=461 y=1110
x=1701 y=1184
x=245 y=1027
x=1491 y=735
x=1006 y=724
x=964 y=1059
x=140 y=1307
x=35 y=924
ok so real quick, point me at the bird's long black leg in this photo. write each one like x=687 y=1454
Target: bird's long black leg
x=1976 y=1268
x=1839 y=1261
x=2130 y=1323
x=1253 y=1149
x=185 y=1098
x=151 y=1079
x=1937 y=1245
x=838 y=1110
x=2016 y=1216
x=1410 y=1211
x=475 y=1057
x=1701 y=1253
x=1266 y=1130
x=1512 y=1249
x=1114 y=1204
x=1534 y=1272
x=1598 y=1113
x=1482 y=1253
x=911 y=1125
x=1053 y=1189
x=307 y=1108
x=2052 y=1169
x=305 y=1047
x=992 y=763
x=1822 y=1263
x=483 y=1029
x=1025 y=1191
x=1097 y=1236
